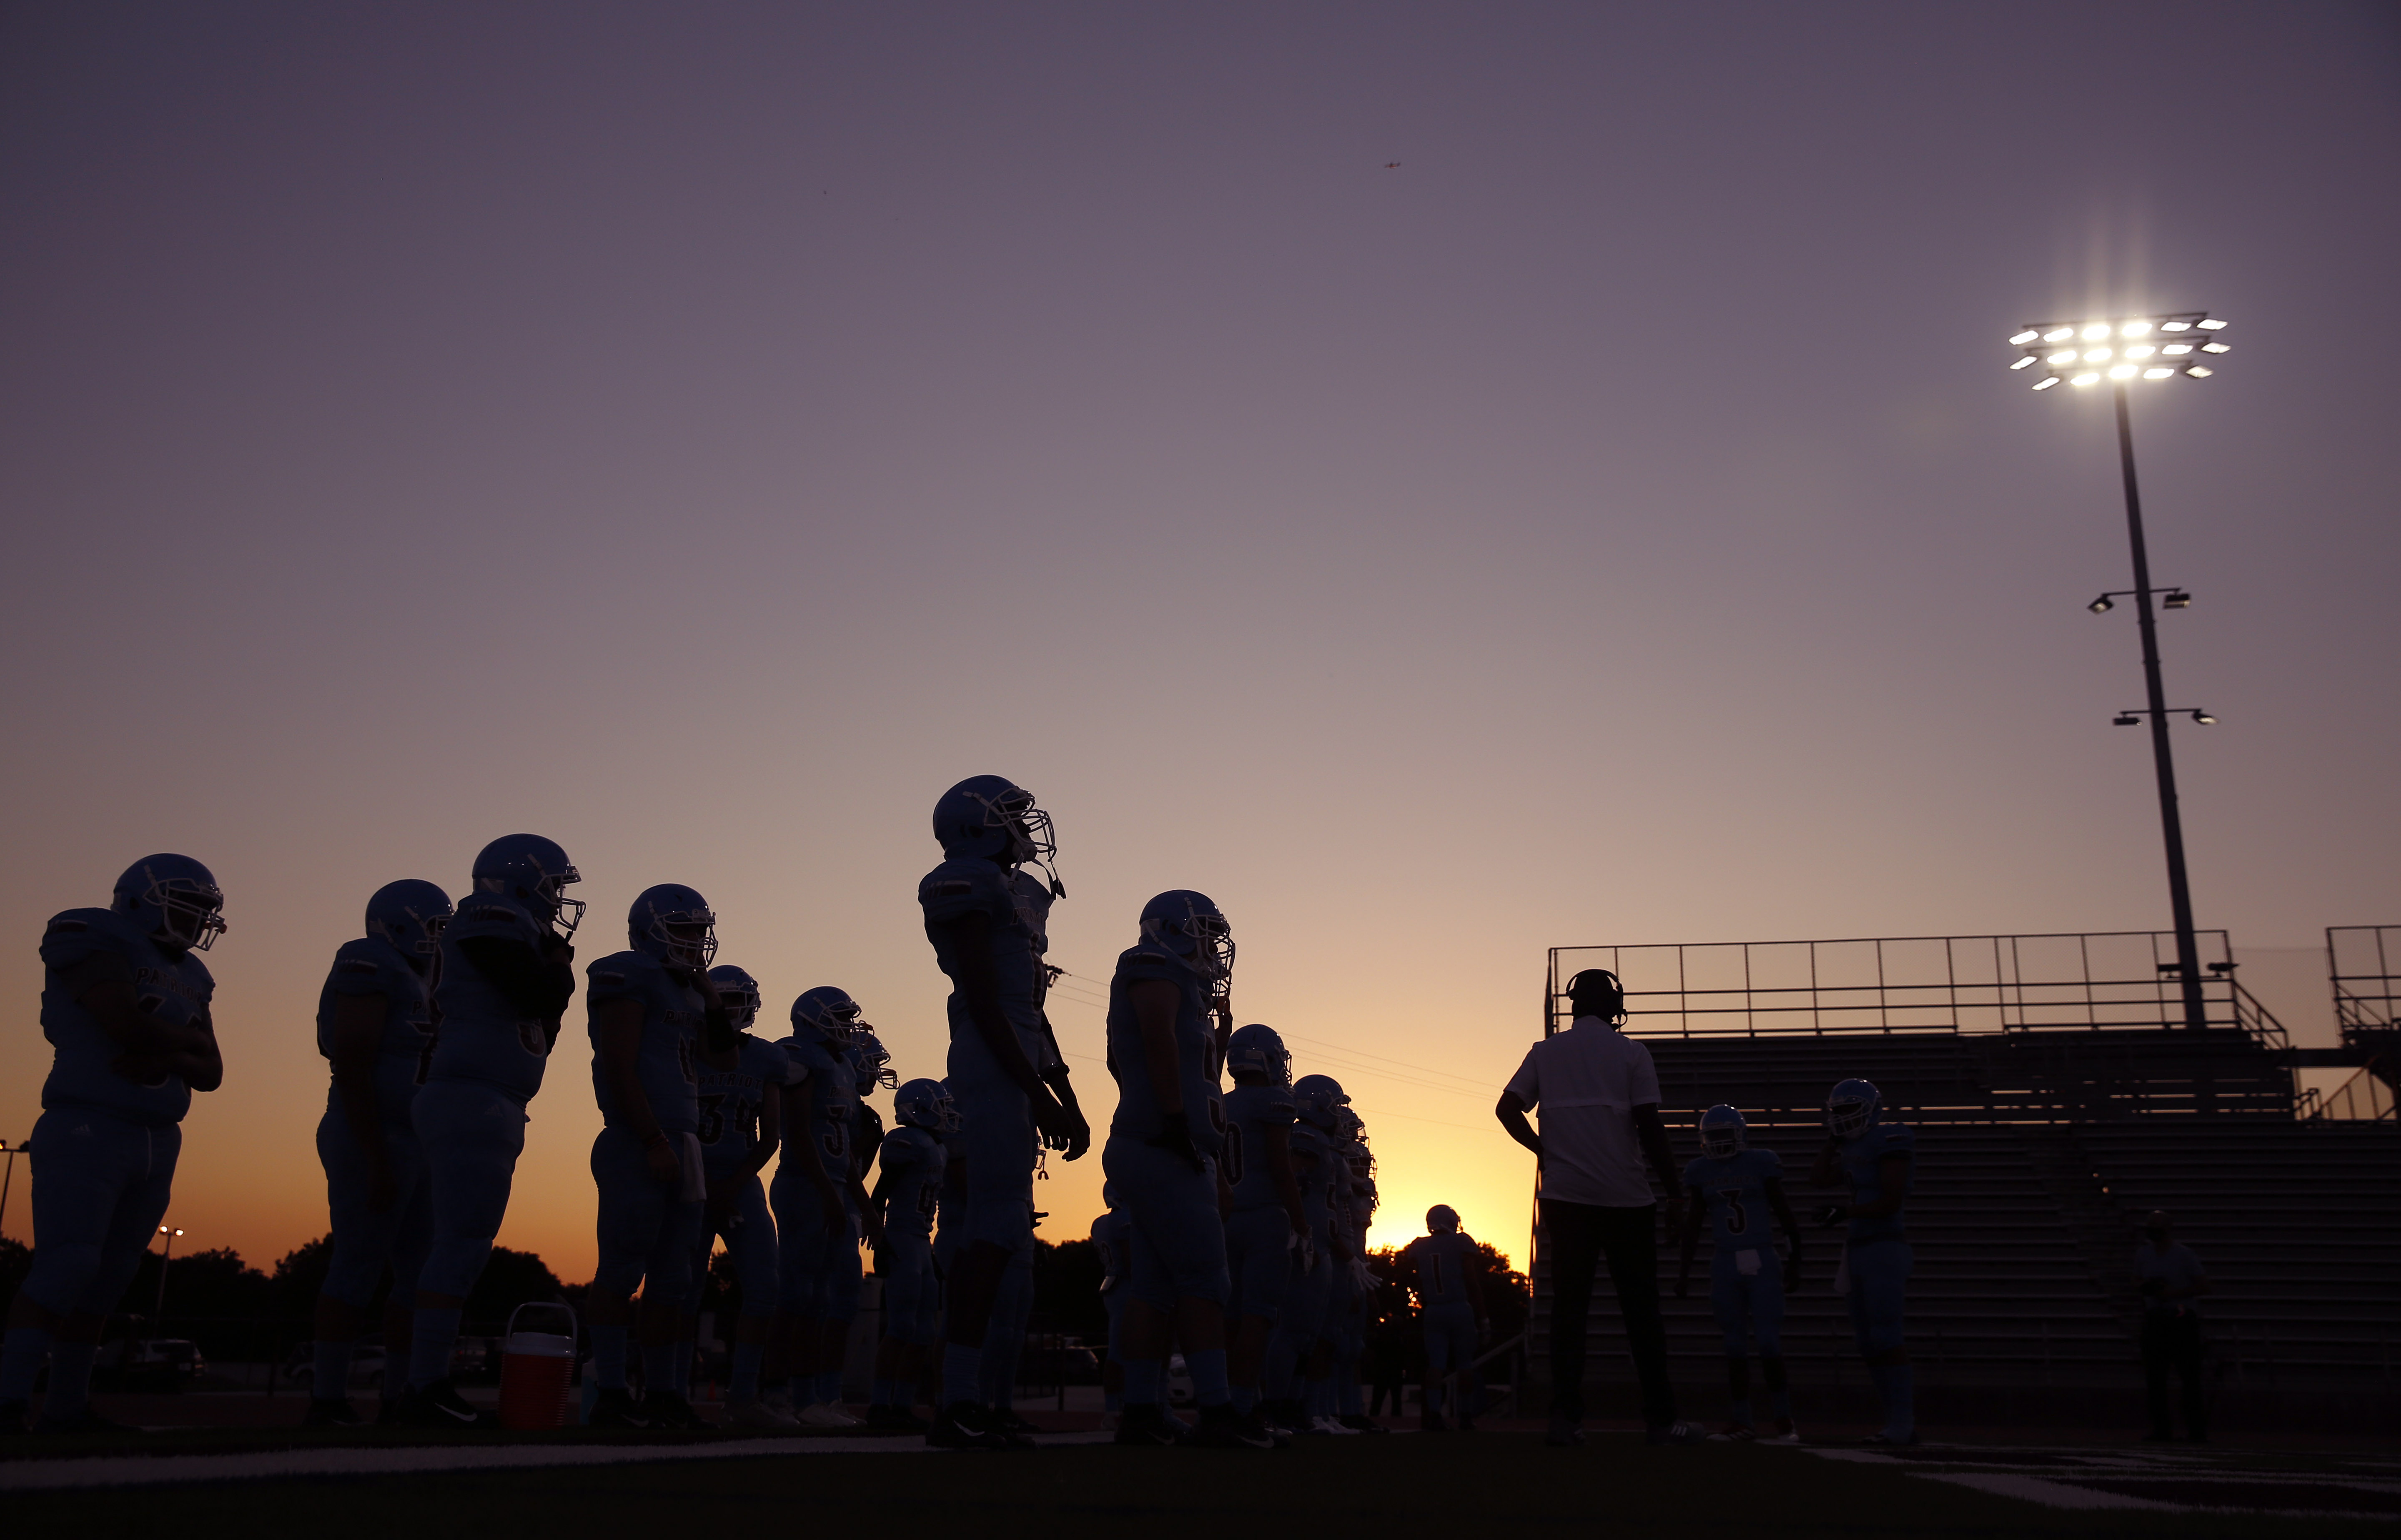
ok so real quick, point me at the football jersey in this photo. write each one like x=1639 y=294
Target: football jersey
x=911 y=1159
x=729 y=1101
x=1862 y=1161
x=1139 y=1116
x=1015 y=932
x=175 y=987
x=832 y=1103
x=483 y=1039
x=1734 y=1189
x=663 y=1062
x=1253 y=1114
x=1314 y=1167
x=1442 y=1264
x=372 y=966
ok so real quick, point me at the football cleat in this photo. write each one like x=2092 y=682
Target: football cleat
x=1330 y=1425
x=1150 y=1428
x=825 y=1414
x=1784 y=1432
x=334 y=1413
x=1223 y=1427
x=1723 y=1132
x=1019 y=1431
x=616 y=1409
x=668 y=1413
x=439 y=1405
x=173 y=899
x=964 y=1424
x=1675 y=1433
x=1887 y=1440
x=1734 y=1433
x=757 y=1414
x=1362 y=1422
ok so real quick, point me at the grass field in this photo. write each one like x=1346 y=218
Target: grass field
x=1484 y=1484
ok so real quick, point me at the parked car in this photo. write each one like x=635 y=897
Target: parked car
x=162 y=1363
x=366 y=1367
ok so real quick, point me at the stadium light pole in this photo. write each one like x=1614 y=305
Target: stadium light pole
x=8 y=1175
x=2184 y=344
x=158 y=1305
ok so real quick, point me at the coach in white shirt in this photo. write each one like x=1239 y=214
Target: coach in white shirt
x=1600 y=1103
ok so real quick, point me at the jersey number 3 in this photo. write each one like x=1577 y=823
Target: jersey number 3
x=1737 y=1219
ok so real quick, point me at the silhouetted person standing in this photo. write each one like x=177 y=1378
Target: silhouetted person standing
x=2173 y=1283
x=1599 y=1101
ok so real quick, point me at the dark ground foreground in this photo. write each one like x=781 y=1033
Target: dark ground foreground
x=1492 y=1483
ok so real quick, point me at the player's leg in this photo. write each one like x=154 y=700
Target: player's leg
x=1730 y=1302
x=1571 y=1238
x=667 y=1281
x=363 y=1237
x=1004 y=1339
x=2186 y=1358
x=752 y=1245
x=838 y=1306
x=632 y=1215
x=471 y=1137
x=1767 y=1325
x=81 y=1167
x=412 y=1240
x=998 y=1143
x=1629 y=1239
x=1879 y=1278
x=1178 y=1211
x=118 y=1178
x=1258 y=1262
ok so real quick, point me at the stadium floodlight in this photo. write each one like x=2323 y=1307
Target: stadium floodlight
x=2076 y=365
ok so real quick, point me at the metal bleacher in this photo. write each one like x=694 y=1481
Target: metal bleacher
x=2055 y=1104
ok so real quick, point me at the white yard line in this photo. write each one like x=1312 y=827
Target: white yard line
x=140 y=1470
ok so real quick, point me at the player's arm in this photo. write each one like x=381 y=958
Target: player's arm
x=617 y=1039
x=718 y=1048
x=1472 y=1276
x=1155 y=1003
x=537 y=986
x=1079 y=1136
x=356 y=1036
x=1280 y=1176
x=771 y=1130
x=1662 y=1156
x=107 y=996
x=1512 y=1113
x=870 y=1219
x=1892 y=1187
x=1782 y=1207
x=1828 y=1169
x=1695 y=1207
x=1337 y=1241
x=968 y=939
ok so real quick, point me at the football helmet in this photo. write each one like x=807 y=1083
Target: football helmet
x=1442 y=1220
x=174 y=901
x=409 y=915
x=1188 y=924
x=871 y=1061
x=535 y=873
x=926 y=1105
x=1851 y=1109
x=1319 y=1099
x=830 y=1015
x=1257 y=1050
x=1596 y=991
x=994 y=817
x=673 y=925
x=739 y=992
x=1723 y=1132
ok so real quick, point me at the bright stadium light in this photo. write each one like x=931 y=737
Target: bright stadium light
x=2076 y=367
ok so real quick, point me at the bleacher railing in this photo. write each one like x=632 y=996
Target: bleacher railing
x=2363 y=1098
x=2364 y=967
x=2093 y=981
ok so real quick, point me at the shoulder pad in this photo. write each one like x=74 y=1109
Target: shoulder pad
x=1694 y=1170
x=78 y=934
x=1151 y=961
x=960 y=888
x=487 y=911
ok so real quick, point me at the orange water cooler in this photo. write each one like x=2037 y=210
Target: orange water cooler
x=537 y=1363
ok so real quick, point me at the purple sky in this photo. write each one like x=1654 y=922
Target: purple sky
x=703 y=433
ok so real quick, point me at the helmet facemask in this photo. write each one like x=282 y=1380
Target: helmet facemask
x=1848 y=1117
x=187 y=912
x=1203 y=942
x=686 y=938
x=1722 y=1134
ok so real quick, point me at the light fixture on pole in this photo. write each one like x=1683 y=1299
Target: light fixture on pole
x=158 y=1304
x=2181 y=344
